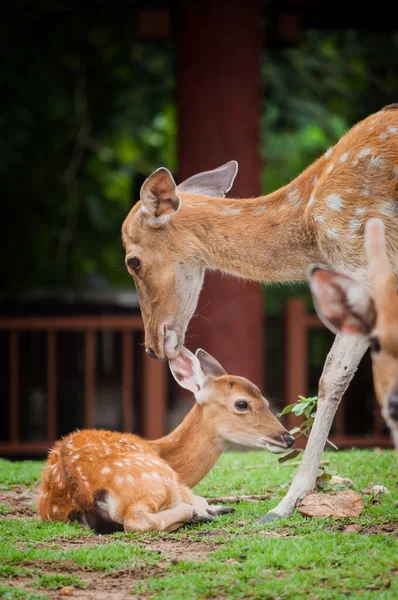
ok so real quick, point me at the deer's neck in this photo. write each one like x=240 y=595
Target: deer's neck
x=264 y=239
x=192 y=449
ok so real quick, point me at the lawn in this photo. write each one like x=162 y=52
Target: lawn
x=233 y=557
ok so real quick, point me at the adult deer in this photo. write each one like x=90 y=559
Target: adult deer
x=176 y=232
x=345 y=305
x=106 y=480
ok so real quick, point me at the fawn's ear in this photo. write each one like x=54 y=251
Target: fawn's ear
x=187 y=371
x=342 y=303
x=210 y=366
x=159 y=197
x=211 y=183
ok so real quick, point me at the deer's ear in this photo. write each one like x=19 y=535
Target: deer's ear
x=187 y=371
x=342 y=303
x=211 y=183
x=210 y=366
x=159 y=196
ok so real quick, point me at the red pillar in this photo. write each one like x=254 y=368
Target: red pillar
x=218 y=119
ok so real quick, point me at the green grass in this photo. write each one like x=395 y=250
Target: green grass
x=56 y=582
x=296 y=558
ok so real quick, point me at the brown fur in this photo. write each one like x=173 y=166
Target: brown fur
x=270 y=238
x=149 y=481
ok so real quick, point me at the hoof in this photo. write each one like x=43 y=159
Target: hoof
x=270 y=516
x=202 y=518
x=221 y=510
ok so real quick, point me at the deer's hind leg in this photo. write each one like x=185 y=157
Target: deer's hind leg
x=139 y=517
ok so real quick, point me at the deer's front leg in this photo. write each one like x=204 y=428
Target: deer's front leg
x=340 y=366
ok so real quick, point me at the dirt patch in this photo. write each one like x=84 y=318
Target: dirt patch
x=21 y=502
x=182 y=549
x=383 y=529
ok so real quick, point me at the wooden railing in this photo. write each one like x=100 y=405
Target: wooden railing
x=298 y=323
x=154 y=376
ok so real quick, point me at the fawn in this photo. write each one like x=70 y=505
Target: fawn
x=176 y=232
x=346 y=305
x=108 y=480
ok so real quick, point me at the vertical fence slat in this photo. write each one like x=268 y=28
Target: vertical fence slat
x=51 y=386
x=14 y=387
x=127 y=380
x=154 y=398
x=89 y=379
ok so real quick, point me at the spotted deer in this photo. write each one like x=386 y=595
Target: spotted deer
x=109 y=480
x=371 y=312
x=176 y=232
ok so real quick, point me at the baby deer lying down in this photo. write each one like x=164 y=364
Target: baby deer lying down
x=345 y=305
x=110 y=481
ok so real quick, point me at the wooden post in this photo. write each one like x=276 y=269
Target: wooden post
x=218 y=120
x=296 y=361
x=154 y=403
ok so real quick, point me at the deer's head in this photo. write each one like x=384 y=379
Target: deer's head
x=163 y=256
x=345 y=305
x=233 y=406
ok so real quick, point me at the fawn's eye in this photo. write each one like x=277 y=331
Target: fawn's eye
x=241 y=405
x=134 y=263
x=374 y=344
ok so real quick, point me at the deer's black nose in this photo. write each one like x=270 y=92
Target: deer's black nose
x=289 y=439
x=151 y=353
x=393 y=406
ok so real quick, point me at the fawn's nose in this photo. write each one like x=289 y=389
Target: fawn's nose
x=289 y=439
x=393 y=406
x=151 y=353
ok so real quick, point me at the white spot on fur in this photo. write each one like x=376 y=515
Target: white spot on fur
x=230 y=210
x=294 y=197
x=259 y=211
x=389 y=208
x=364 y=152
x=105 y=470
x=319 y=219
x=352 y=236
x=334 y=202
x=312 y=200
x=130 y=479
x=343 y=157
x=119 y=464
x=383 y=136
x=349 y=190
x=328 y=153
x=393 y=129
x=54 y=509
x=107 y=451
x=365 y=190
x=331 y=233
x=145 y=476
x=155 y=475
x=314 y=180
x=360 y=211
x=376 y=162
x=355 y=224
x=119 y=480
x=330 y=168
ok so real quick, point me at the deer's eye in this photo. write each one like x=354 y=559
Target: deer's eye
x=134 y=263
x=374 y=344
x=241 y=405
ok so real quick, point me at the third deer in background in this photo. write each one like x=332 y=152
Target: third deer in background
x=345 y=305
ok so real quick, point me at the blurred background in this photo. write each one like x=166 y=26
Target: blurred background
x=93 y=100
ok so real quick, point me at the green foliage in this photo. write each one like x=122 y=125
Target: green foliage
x=90 y=113
x=304 y=407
